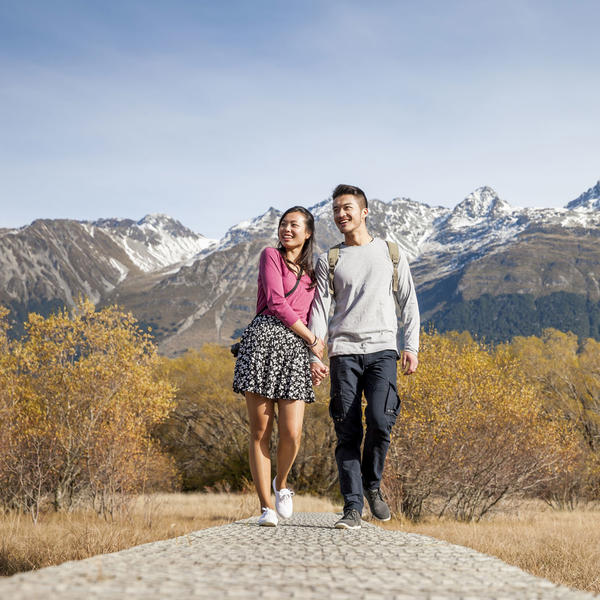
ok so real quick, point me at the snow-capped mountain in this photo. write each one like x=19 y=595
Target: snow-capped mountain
x=479 y=223
x=50 y=262
x=192 y=289
x=261 y=227
x=588 y=201
x=154 y=242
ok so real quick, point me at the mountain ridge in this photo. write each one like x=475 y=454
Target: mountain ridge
x=191 y=289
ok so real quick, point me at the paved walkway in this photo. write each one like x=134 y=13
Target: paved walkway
x=302 y=558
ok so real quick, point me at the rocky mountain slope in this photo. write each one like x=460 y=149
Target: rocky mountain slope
x=483 y=265
x=49 y=263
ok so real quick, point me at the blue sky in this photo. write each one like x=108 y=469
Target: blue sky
x=213 y=111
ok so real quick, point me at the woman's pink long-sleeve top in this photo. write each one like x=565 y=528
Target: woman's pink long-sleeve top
x=274 y=280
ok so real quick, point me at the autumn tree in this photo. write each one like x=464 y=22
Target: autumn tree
x=80 y=400
x=472 y=431
x=567 y=373
x=207 y=432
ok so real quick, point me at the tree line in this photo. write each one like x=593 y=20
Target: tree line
x=502 y=317
x=92 y=414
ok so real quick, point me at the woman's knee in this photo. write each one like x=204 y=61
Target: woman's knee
x=260 y=434
x=291 y=436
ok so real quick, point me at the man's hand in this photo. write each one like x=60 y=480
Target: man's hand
x=409 y=362
x=318 y=348
x=318 y=372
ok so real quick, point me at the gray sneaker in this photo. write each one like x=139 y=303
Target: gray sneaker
x=379 y=508
x=350 y=520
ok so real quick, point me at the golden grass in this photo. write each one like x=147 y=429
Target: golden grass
x=563 y=547
x=58 y=537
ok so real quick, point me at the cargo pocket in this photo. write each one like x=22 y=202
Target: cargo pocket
x=392 y=405
x=337 y=409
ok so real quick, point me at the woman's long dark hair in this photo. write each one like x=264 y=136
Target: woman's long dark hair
x=305 y=261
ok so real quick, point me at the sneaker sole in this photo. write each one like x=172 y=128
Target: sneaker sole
x=267 y=524
x=344 y=526
x=382 y=520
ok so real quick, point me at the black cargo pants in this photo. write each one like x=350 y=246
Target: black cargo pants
x=351 y=375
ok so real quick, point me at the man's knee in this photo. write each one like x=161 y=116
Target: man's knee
x=348 y=431
x=380 y=425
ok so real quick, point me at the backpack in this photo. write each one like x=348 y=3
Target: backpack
x=333 y=254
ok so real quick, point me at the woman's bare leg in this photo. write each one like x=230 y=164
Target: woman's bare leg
x=291 y=414
x=261 y=412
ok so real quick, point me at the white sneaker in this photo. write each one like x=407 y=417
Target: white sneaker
x=268 y=518
x=283 y=501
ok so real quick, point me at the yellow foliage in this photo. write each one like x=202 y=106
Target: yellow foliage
x=84 y=396
x=472 y=430
x=80 y=398
x=567 y=375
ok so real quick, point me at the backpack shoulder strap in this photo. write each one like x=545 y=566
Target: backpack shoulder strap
x=333 y=255
x=395 y=256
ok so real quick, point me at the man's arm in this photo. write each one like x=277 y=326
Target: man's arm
x=319 y=312
x=319 y=317
x=409 y=315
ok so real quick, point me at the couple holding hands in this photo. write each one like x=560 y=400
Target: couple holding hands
x=281 y=351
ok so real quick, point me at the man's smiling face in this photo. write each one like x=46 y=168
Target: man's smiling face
x=348 y=214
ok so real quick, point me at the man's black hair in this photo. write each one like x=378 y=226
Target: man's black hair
x=352 y=190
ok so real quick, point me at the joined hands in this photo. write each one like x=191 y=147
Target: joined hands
x=318 y=372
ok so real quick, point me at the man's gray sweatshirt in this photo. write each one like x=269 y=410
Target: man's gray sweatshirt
x=364 y=315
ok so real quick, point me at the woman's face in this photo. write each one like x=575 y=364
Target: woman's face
x=293 y=231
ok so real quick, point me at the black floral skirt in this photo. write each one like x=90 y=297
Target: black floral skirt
x=273 y=362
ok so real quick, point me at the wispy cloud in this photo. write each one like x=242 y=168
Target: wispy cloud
x=212 y=112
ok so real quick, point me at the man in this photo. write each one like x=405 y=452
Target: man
x=363 y=349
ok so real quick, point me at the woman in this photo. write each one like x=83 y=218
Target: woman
x=273 y=361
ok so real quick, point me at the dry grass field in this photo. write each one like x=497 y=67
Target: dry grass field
x=561 y=546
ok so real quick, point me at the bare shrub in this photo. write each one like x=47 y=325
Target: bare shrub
x=471 y=432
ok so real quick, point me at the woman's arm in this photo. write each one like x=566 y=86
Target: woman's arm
x=315 y=344
x=270 y=268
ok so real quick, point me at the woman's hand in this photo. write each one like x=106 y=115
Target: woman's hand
x=318 y=372
x=318 y=348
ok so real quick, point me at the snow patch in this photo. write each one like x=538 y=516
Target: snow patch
x=123 y=270
x=156 y=241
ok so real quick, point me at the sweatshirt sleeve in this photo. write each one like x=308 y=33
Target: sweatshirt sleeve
x=319 y=312
x=409 y=308
x=272 y=278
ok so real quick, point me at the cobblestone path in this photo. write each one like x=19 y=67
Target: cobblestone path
x=302 y=558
